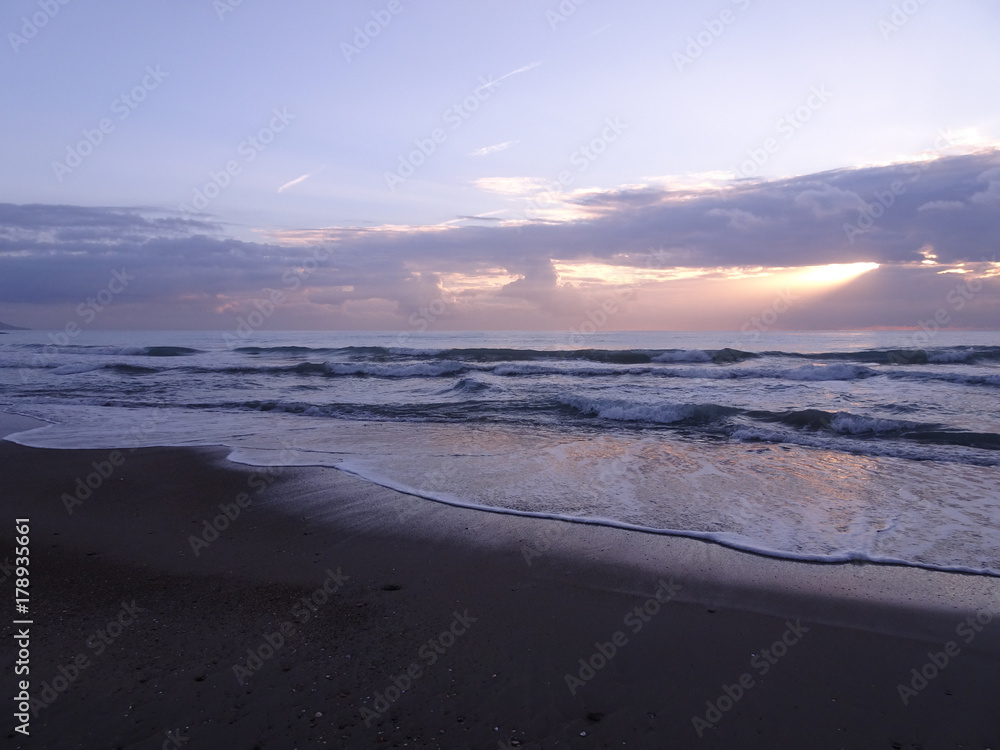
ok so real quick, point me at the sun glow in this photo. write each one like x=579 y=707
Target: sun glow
x=583 y=273
x=578 y=272
x=834 y=273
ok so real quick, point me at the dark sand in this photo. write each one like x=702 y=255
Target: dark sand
x=413 y=564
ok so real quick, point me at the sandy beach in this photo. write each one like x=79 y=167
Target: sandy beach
x=500 y=375
x=187 y=601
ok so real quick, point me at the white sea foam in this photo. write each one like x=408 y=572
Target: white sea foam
x=428 y=369
x=851 y=424
x=629 y=411
x=800 y=503
x=835 y=371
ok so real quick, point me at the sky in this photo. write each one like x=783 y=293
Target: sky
x=500 y=165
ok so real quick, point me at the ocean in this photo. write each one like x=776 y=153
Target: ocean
x=831 y=446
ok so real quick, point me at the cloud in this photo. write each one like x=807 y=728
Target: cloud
x=496 y=274
x=518 y=71
x=515 y=186
x=486 y=150
x=941 y=206
x=522 y=69
x=296 y=181
x=737 y=218
x=825 y=200
x=992 y=192
x=593 y=33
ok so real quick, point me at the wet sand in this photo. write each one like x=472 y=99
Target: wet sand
x=324 y=611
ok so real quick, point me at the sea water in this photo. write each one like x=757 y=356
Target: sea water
x=818 y=446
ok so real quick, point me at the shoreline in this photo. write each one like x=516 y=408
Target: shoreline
x=544 y=594
x=240 y=455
